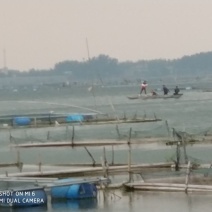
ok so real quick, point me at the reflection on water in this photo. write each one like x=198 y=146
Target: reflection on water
x=140 y=201
x=58 y=205
x=24 y=209
x=137 y=201
x=74 y=204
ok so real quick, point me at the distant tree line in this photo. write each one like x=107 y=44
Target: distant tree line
x=105 y=67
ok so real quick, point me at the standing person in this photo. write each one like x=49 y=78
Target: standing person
x=165 y=90
x=176 y=90
x=143 y=87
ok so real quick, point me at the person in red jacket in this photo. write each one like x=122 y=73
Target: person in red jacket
x=143 y=87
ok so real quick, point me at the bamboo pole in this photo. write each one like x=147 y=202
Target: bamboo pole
x=39 y=166
x=18 y=157
x=66 y=144
x=173 y=185
x=129 y=163
x=66 y=132
x=167 y=127
x=144 y=117
x=129 y=139
x=112 y=162
x=72 y=137
x=124 y=118
x=35 y=121
x=39 y=162
x=48 y=135
x=168 y=189
x=113 y=108
x=94 y=162
x=50 y=122
x=129 y=156
x=10 y=136
x=3 y=165
x=28 y=179
x=105 y=162
x=135 y=116
x=94 y=96
x=117 y=130
x=184 y=149
x=177 y=157
x=19 y=163
x=103 y=166
x=187 y=176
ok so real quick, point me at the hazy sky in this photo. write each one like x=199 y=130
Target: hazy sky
x=40 y=33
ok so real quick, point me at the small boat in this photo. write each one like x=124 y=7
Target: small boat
x=155 y=96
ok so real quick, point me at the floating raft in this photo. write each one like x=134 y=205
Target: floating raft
x=82 y=171
x=51 y=119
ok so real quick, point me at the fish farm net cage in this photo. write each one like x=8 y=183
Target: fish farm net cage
x=122 y=132
x=83 y=132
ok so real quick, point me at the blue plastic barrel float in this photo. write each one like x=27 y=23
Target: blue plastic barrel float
x=23 y=197
x=21 y=121
x=74 y=118
x=73 y=191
